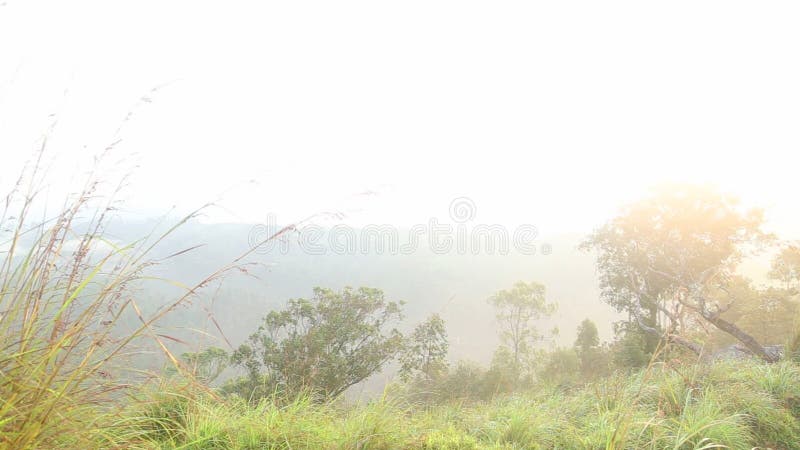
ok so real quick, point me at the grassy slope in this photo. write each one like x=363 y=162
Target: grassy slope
x=739 y=405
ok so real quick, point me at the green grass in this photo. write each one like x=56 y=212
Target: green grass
x=740 y=405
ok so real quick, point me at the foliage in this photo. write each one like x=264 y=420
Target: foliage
x=767 y=314
x=658 y=259
x=254 y=389
x=516 y=309
x=593 y=358
x=207 y=364
x=629 y=350
x=425 y=350
x=506 y=374
x=324 y=344
x=466 y=380
x=588 y=338
x=792 y=347
x=561 y=367
x=786 y=267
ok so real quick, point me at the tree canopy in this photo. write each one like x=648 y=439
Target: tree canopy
x=659 y=258
x=425 y=350
x=326 y=343
x=516 y=309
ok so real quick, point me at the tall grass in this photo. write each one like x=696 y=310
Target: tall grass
x=61 y=293
x=64 y=289
x=742 y=405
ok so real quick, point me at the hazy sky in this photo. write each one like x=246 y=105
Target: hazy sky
x=550 y=113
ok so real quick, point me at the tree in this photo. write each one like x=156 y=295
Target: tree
x=769 y=315
x=465 y=380
x=786 y=267
x=208 y=364
x=658 y=259
x=516 y=310
x=588 y=338
x=629 y=348
x=324 y=344
x=506 y=375
x=425 y=351
x=561 y=367
x=587 y=346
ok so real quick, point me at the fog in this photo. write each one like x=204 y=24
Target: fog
x=485 y=142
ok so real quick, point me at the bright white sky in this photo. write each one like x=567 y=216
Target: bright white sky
x=550 y=113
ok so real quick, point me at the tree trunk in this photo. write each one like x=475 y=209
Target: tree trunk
x=695 y=348
x=748 y=341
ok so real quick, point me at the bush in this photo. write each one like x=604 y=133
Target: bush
x=561 y=367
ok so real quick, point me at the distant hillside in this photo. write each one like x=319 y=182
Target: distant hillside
x=454 y=285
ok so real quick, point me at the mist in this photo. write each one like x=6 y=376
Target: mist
x=437 y=202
